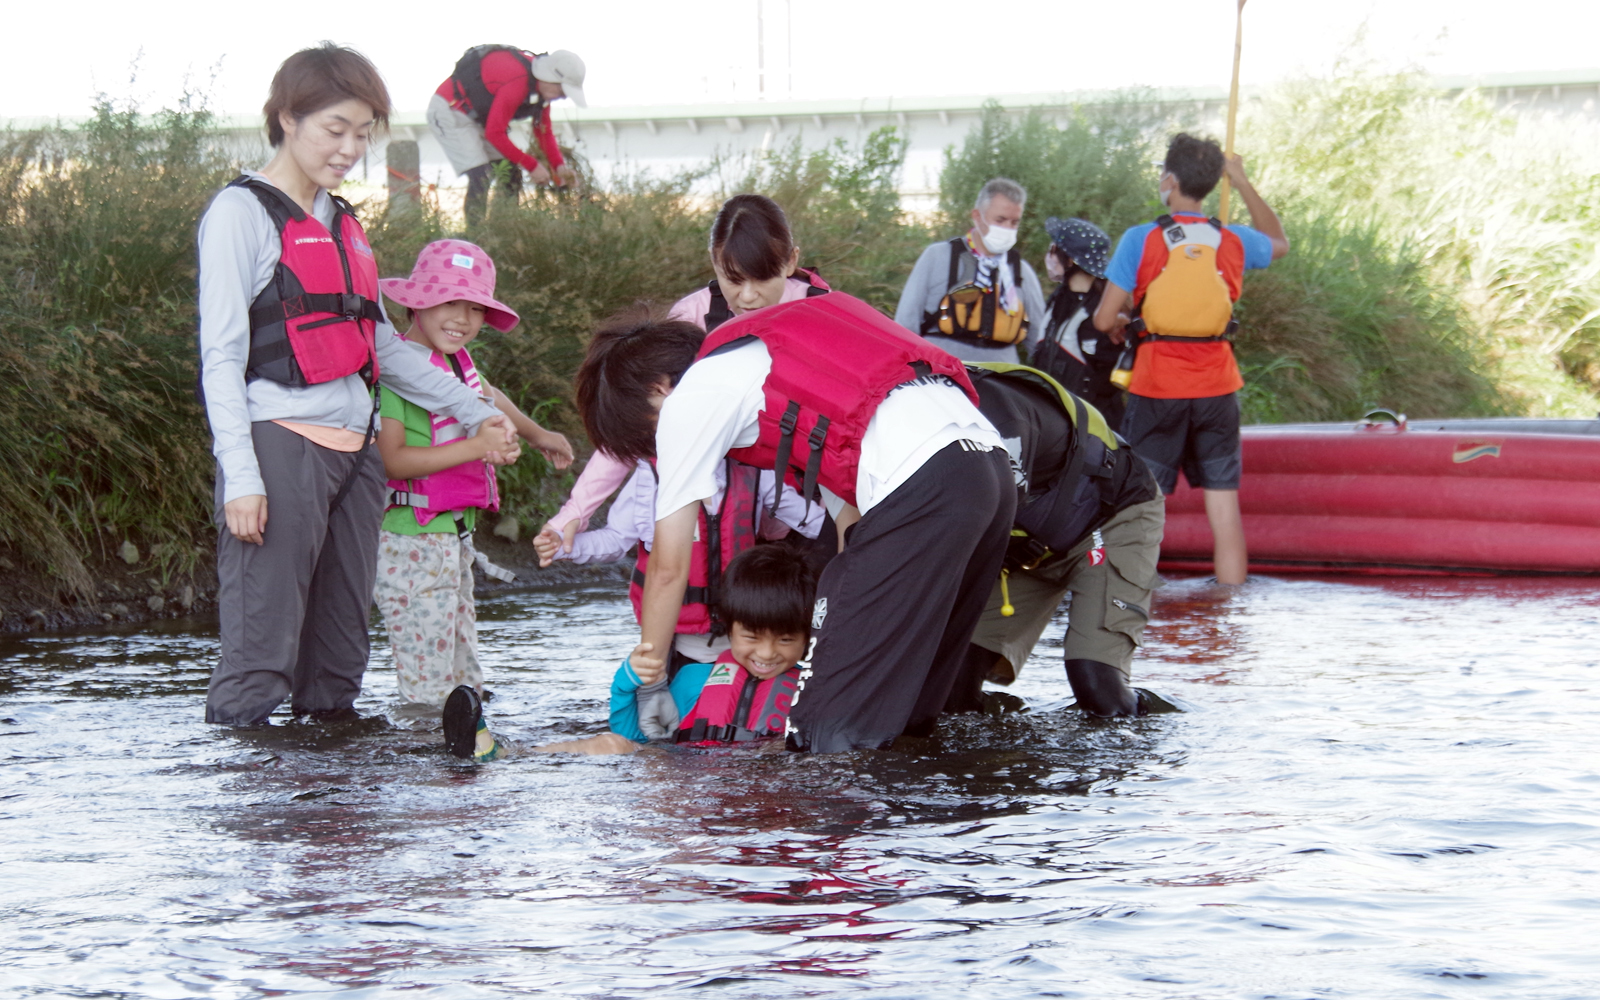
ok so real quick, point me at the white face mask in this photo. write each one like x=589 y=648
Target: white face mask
x=999 y=239
x=1166 y=197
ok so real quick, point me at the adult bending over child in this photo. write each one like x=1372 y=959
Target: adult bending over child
x=883 y=427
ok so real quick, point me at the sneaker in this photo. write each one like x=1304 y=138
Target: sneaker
x=463 y=717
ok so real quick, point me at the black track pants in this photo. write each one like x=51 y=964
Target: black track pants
x=896 y=609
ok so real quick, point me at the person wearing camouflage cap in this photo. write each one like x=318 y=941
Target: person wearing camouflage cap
x=1071 y=350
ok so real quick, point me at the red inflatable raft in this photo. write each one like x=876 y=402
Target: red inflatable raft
x=1439 y=496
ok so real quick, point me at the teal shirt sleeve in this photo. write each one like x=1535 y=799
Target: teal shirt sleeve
x=625 y=686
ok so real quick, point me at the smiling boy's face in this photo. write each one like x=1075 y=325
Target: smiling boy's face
x=449 y=326
x=765 y=653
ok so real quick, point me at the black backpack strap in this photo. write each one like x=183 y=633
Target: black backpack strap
x=719 y=313
x=958 y=246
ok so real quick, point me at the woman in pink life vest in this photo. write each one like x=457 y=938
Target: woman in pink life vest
x=440 y=481
x=292 y=346
x=757 y=265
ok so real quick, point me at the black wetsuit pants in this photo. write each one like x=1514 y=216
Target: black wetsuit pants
x=896 y=609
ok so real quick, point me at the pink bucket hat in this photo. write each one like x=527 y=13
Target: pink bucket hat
x=447 y=270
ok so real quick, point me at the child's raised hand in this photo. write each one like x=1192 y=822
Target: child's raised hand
x=650 y=669
x=547 y=543
x=555 y=447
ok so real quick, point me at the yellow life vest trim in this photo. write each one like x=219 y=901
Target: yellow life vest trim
x=1097 y=421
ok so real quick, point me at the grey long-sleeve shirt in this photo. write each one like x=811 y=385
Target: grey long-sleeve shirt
x=239 y=249
x=929 y=281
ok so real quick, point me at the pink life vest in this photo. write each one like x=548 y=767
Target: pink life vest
x=470 y=484
x=717 y=539
x=834 y=359
x=315 y=320
x=735 y=707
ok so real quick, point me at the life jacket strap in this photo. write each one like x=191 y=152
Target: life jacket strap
x=691 y=595
x=343 y=305
x=702 y=733
x=1138 y=331
x=780 y=462
x=819 y=436
x=405 y=498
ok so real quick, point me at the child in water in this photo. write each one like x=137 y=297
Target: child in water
x=745 y=695
x=439 y=481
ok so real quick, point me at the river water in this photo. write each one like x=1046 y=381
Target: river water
x=1379 y=788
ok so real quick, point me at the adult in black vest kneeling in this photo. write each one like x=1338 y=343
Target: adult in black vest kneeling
x=880 y=426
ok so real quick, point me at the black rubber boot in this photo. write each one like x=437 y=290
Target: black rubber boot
x=966 y=695
x=1101 y=689
x=462 y=710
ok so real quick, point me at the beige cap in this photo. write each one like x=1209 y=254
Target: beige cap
x=564 y=67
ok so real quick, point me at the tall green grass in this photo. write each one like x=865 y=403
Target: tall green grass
x=102 y=441
x=1494 y=217
x=1444 y=263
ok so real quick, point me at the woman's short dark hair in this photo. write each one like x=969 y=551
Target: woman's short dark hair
x=627 y=356
x=768 y=588
x=1195 y=162
x=320 y=77
x=750 y=239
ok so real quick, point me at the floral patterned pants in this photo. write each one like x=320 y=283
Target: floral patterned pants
x=424 y=592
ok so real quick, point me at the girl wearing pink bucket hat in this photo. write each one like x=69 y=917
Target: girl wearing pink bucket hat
x=440 y=480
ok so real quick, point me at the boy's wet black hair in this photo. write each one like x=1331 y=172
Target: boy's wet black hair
x=627 y=356
x=768 y=588
x=1195 y=162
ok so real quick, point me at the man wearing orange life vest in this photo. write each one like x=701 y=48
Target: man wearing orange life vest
x=1178 y=278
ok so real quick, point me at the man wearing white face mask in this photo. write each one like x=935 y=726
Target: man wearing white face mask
x=974 y=296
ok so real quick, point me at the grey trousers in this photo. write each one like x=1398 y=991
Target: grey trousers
x=294 y=610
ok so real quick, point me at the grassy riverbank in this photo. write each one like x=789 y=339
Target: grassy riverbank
x=1432 y=272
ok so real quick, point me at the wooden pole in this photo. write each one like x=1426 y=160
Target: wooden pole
x=1233 y=112
x=404 y=162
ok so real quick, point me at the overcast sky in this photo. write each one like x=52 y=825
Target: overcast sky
x=642 y=52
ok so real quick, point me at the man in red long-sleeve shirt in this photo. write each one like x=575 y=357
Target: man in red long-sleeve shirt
x=492 y=86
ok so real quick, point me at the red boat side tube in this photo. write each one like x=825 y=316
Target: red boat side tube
x=1443 y=497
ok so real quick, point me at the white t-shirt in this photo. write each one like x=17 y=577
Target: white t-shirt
x=716 y=408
